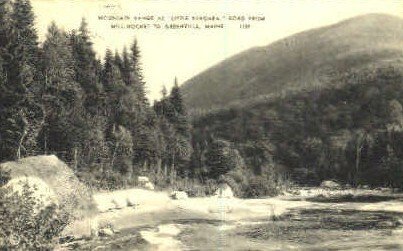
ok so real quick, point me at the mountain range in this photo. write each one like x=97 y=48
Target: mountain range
x=303 y=61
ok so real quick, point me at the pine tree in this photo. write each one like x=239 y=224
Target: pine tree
x=126 y=68
x=176 y=99
x=6 y=98
x=171 y=109
x=137 y=76
x=178 y=112
x=117 y=60
x=23 y=21
x=23 y=115
x=86 y=67
x=111 y=73
x=62 y=96
x=5 y=24
x=114 y=88
x=221 y=158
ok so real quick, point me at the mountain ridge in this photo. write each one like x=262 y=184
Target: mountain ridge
x=303 y=60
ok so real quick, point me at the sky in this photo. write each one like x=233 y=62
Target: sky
x=183 y=53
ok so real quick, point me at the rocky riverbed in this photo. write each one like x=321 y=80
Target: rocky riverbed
x=312 y=219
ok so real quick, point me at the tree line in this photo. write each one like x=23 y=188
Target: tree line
x=350 y=132
x=57 y=97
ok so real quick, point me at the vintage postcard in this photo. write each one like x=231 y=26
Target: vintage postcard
x=201 y=125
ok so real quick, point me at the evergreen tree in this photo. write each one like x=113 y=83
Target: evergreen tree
x=122 y=149
x=221 y=158
x=178 y=112
x=5 y=25
x=62 y=96
x=126 y=66
x=86 y=67
x=118 y=61
x=22 y=113
x=137 y=76
x=176 y=99
x=23 y=22
x=173 y=112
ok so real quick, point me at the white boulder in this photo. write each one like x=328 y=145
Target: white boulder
x=145 y=182
x=105 y=232
x=149 y=186
x=329 y=184
x=224 y=191
x=94 y=227
x=41 y=191
x=119 y=202
x=130 y=201
x=144 y=179
x=179 y=195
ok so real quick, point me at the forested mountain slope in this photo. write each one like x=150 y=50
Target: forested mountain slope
x=302 y=61
x=351 y=133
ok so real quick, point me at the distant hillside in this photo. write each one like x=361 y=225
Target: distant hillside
x=302 y=61
x=352 y=133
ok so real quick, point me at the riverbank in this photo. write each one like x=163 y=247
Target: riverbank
x=156 y=222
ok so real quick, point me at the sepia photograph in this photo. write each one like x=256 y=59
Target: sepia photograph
x=201 y=125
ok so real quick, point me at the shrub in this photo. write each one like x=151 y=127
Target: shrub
x=26 y=223
x=260 y=186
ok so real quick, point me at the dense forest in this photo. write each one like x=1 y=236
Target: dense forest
x=349 y=132
x=58 y=98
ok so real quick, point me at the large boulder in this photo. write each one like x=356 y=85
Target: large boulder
x=179 y=195
x=143 y=179
x=40 y=190
x=145 y=182
x=105 y=232
x=224 y=191
x=53 y=178
x=330 y=184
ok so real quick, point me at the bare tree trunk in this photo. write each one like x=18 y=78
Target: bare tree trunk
x=75 y=159
x=114 y=154
x=172 y=169
x=20 y=144
x=357 y=163
x=24 y=134
x=46 y=144
x=159 y=163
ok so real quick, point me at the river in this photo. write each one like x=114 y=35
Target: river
x=281 y=223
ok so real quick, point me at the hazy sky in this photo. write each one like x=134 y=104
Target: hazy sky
x=184 y=53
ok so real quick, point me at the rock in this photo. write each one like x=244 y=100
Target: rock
x=105 y=232
x=94 y=228
x=145 y=182
x=40 y=190
x=179 y=195
x=143 y=179
x=66 y=239
x=53 y=177
x=329 y=184
x=398 y=231
x=119 y=203
x=399 y=222
x=224 y=191
x=130 y=202
x=386 y=224
x=149 y=186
